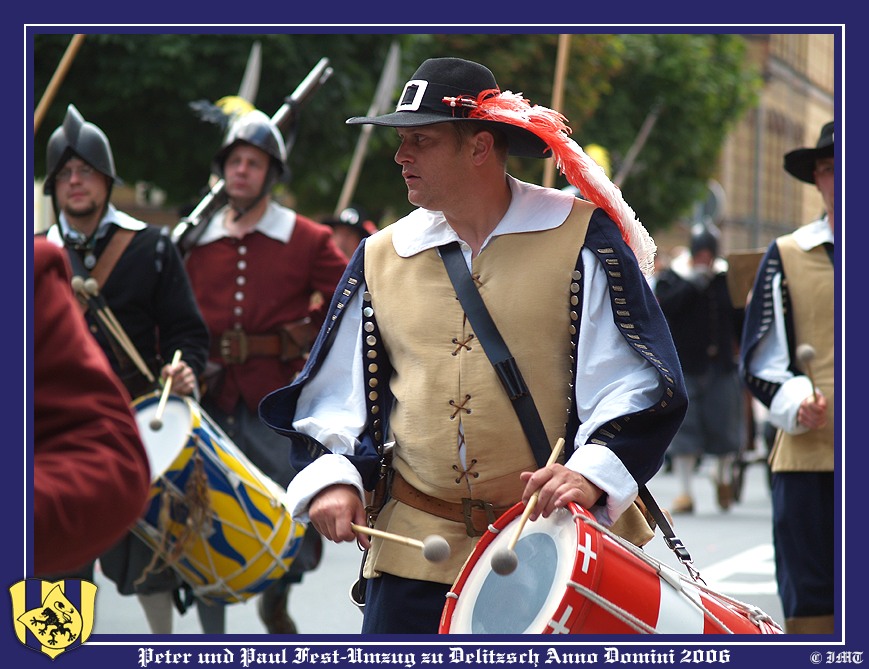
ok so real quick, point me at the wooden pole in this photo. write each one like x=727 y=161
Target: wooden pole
x=637 y=146
x=557 y=99
x=56 y=80
x=382 y=97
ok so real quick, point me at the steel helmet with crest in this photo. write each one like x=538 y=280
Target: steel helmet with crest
x=77 y=137
x=258 y=130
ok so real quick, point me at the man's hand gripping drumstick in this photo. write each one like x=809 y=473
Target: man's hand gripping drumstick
x=337 y=513
x=157 y=421
x=504 y=561
x=813 y=410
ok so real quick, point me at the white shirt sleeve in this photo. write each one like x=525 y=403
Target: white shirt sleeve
x=771 y=361
x=331 y=408
x=611 y=381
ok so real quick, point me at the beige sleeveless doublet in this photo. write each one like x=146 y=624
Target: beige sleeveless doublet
x=811 y=287
x=446 y=387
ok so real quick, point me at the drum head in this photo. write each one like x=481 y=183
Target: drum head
x=163 y=445
x=524 y=600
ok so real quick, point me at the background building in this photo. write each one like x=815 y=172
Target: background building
x=753 y=199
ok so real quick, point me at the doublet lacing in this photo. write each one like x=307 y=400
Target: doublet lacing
x=347 y=292
x=459 y=407
x=466 y=472
x=462 y=344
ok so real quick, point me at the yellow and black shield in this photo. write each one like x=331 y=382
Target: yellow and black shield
x=58 y=615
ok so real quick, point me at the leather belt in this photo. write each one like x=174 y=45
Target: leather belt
x=234 y=347
x=476 y=514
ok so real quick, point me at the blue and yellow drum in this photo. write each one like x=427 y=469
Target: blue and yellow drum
x=212 y=515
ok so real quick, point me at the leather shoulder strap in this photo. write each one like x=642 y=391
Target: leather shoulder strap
x=109 y=257
x=497 y=351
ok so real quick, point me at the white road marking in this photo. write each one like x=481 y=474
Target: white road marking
x=758 y=561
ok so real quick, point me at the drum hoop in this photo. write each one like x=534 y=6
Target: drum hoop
x=463 y=585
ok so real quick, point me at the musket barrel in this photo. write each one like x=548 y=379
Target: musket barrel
x=316 y=78
x=207 y=206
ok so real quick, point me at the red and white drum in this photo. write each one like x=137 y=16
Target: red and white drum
x=574 y=576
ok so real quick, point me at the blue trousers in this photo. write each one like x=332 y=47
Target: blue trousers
x=804 y=538
x=396 y=605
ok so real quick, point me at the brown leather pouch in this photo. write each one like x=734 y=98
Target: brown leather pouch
x=297 y=338
x=635 y=525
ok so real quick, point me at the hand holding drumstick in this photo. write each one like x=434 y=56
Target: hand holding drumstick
x=504 y=561
x=813 y=410
x=334 y=509
x=182 y=376
x=157 y=421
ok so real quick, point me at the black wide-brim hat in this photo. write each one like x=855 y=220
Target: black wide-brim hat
x=801 y=162
x=355 y=218
x=422 y=103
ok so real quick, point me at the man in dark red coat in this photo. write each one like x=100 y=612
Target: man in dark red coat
x=263 y=276
x=90 y=470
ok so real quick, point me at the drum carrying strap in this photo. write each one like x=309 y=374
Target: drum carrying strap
x=517 y=390
x=101 y=272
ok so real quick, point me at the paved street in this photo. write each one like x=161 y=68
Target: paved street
x=732 y=551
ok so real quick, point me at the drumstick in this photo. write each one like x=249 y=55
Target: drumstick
x=805 y=354
x=504 y=561
x=88 y=291
x=92 y=287
x=434 y=547
x=157 y=421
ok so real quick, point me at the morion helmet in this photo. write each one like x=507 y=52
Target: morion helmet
x=77 y=137
x=256 y=129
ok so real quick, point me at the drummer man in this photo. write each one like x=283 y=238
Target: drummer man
x=569 y=297
x=144 y=286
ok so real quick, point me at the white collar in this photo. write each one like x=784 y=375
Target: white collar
x=532 y=208
x=112 y=217
x=814 y=234
x=682 y=266
x=277 y=222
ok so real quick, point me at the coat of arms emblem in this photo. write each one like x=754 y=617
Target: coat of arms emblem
x=52 y=617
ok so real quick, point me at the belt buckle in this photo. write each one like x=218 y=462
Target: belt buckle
x=468 y=505
x=233 y=347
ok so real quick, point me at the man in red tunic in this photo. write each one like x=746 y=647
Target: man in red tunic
x=255 y=271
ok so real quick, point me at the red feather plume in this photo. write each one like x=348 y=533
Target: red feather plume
x=577 y=167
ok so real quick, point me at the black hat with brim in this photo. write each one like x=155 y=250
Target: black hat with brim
x=801 y=162
x=422 y=103
x=354 y=218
